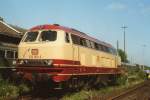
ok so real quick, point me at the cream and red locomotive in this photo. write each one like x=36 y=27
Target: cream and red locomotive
x=64 y=54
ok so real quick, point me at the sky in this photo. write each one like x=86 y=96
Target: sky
x=101 y=19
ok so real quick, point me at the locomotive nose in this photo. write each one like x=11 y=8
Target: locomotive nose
x=36 y=51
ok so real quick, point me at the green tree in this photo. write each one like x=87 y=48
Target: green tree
x=123 y=56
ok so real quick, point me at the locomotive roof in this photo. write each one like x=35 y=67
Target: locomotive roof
x=69 y=30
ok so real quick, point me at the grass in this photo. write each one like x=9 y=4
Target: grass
x=7 y=89
x=11 y=90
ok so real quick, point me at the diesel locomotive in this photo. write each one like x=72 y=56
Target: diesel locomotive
x=65 y=56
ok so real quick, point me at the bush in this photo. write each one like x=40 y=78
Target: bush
x=135 y=74
x=23 y=88
x=8 y=90
x=141 y=74
x=121 y=80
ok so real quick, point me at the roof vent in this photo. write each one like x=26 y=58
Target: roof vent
x=56 y=24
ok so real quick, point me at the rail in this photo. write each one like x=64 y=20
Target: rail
x=131 y=93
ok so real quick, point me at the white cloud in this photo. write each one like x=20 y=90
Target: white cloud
x=117 y=6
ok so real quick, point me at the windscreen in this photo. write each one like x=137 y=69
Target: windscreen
x=31 y=36
x=48 y=36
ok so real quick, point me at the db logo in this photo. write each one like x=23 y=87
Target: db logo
x=34 y=51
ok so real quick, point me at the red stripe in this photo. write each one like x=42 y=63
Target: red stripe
x=69 y=70
x=61 y=61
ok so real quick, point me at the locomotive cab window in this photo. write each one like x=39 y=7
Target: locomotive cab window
x=48 y=36
x=31 y=36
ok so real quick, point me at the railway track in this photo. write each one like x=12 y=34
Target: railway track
x=139 y=92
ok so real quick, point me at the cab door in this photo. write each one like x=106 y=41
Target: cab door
x=75 y=47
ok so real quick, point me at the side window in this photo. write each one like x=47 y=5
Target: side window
x=96 y=46
x=103 y=48
x=75 y=39
x=67 y=38
x=100 y=47
x=92 y=45
x=83 y=42
x=107 y=49
x=88 y=43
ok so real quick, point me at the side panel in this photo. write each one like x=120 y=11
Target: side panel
x=75 y=50
x=85 y=56
x=90 y=57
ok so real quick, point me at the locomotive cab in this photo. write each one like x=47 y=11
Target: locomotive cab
x=40 y=48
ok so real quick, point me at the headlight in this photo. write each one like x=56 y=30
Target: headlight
x=48 y=62
x=20 y=62
x=25 y=61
